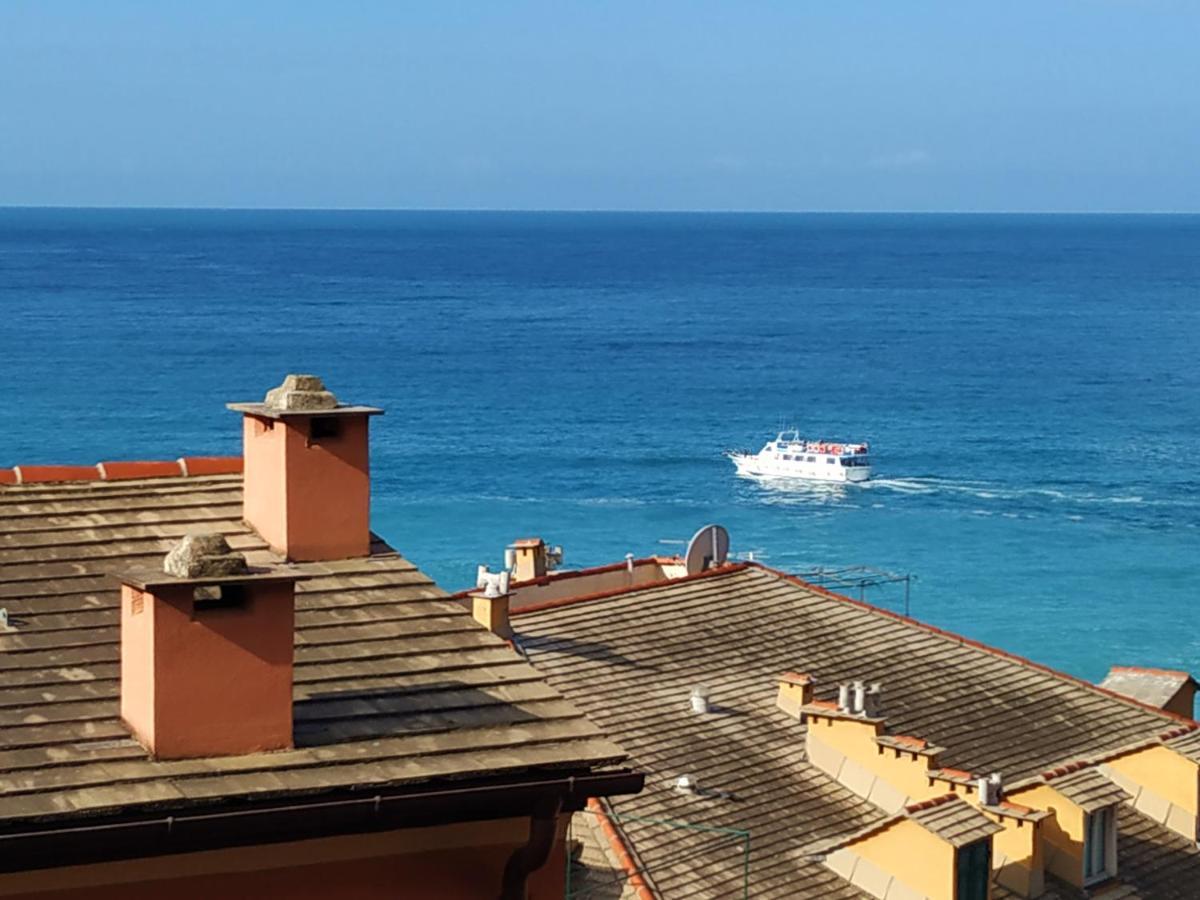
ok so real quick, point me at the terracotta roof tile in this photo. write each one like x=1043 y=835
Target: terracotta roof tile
x=1154 y=687
x=953 y=819
x=631 y=659
x=394 y=682
x=1086 y=787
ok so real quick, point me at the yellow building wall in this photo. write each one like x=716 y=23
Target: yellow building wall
x=856 y=741
x=1168 y=774
x=912 y=855
x=1062 y=833
x=1017 y=857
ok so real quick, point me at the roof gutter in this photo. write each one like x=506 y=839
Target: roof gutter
x=211 y=828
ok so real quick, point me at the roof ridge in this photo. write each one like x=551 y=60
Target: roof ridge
x=726 y=569
x=979 y=645
x=1069 y=768
x=568 y=574
x=931 y=802
x=1150 y=670
x=123 y=470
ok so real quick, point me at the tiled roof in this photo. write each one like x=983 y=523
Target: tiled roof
x=1160 y=863
x=1086 y=787
x=631 y=660
x=1153 y=686
x=394 y=683
x=953 y=820
x=1187 y=743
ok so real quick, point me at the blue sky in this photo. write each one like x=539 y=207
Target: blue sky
x=796 y=105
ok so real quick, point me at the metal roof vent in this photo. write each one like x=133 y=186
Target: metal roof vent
x=687 y=784
x=700 y=695
x=493 y=584
x=873 y=701
x=991 y=789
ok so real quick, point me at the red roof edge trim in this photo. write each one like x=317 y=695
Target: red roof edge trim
x=1144 y=670
x=211 y=465
x=979 y=645
x=551 y=577
x=1066 y=769
x=1017 y=807
x=121 y=470
x=43 y=474
x=615 y=592
x=954 y=773
x=617 y=843
x=1173 y=733
x=930 y=803
x=118 y=471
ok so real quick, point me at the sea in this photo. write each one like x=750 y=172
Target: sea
x=1029 y=385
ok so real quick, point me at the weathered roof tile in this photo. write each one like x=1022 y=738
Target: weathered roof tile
x=393 y=682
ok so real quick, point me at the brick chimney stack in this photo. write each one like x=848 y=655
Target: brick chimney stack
x=206 y=653
x=307 y=481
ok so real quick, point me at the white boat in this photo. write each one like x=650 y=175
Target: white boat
x=791 y=456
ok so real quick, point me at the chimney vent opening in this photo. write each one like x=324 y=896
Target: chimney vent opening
x=212 y=597
x=324 y=428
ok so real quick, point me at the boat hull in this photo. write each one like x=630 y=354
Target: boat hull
x=755 y=465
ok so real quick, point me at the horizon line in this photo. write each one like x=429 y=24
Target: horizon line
x=606 y=210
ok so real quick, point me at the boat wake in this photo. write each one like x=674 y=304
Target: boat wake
x=934 y=487
x=983 y=490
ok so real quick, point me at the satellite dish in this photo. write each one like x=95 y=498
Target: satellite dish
x=708 y=547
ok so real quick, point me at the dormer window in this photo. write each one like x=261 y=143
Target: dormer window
x=973 y=870
x=1099 y=845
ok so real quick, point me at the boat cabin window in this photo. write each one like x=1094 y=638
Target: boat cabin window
x=830 y=460
x=812 y=459
x=855 y=461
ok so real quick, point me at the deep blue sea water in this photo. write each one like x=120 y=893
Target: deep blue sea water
x=1030 y=386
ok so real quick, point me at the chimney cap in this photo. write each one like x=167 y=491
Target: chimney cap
x=152 y=580
x=206 y=559
x=796 y=678
x=301 y=395
x=528 y=542
x=204 y=554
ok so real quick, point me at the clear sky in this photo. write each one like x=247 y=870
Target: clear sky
x=670 y=104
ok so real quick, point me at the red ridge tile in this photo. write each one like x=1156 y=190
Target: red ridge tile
x=117 y=471
x=40 y=474
x=211 y=465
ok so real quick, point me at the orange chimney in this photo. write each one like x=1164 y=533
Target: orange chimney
x=206 y=653
x=529 y=558
x=307 y=481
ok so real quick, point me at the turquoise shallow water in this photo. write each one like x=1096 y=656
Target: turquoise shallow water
x=1029 y=384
